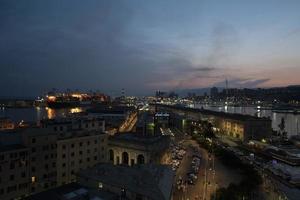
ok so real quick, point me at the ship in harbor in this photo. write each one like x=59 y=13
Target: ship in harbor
x=71 y=99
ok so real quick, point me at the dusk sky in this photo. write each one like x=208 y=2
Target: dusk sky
x=146 y=45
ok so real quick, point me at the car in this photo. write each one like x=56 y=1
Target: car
x=190 y=181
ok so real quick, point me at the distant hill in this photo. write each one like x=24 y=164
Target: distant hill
x=197 y=91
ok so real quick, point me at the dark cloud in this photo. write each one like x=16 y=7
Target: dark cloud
x=63 y=45
x=109 y=45
x=243 y=83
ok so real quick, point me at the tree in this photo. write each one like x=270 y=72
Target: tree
x=281 y=127
x=208 y=131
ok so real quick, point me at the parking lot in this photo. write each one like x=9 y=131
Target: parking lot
x=198 y=174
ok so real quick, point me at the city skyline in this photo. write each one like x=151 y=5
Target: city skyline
x=145 y=46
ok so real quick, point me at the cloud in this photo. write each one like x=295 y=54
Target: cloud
x=243 y=83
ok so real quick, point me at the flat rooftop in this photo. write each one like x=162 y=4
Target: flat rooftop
x=138 y=138
x=153 y=181
x=12 y=147
x=233 y=116
x=73 y=191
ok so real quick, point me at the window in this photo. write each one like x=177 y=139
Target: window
x=80 y=152
x=23 y=185
x=11 y=189
x=100 y=185
x=125 y=158
x=95 y=150
x=141 y=159
x=72 y=154
x=33 y=169
x=139 y=197
x=12 y=166
x=64 y=156
x=61 y=128
x=72 y=145
x=88 y=159
x=12 y=177
x=111 y=155
x=80 y=144
x=95 y=157
x=95 y=141
x=33 y=140
x=63 y=174
x=23 y=174
x=45 y=147
x=63 y=146
x=33 y=150
x=64 y=164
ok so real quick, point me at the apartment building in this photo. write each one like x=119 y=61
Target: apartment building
x=80 y=151
x=14 y=171
x=39 y=158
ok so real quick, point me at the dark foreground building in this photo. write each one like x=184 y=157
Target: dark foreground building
x=116 y=182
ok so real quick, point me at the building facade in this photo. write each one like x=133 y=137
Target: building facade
x=51 y=154
x=133 y=148
x=242 y=127
x=14 y=171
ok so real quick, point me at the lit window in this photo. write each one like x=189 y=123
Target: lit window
x=100 y=185
x=33 y=179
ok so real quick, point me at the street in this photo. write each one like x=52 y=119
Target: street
x=212 y=174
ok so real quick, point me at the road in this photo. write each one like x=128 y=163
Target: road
x=129 y=123
x=212 y=174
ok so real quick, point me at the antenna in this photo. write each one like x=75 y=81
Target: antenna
x=226 y=82
x=123 y=92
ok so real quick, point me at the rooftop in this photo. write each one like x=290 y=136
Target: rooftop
x=233 y=116
x=72 y=191
x=12 y=147
x=138 y=138
x=153 y=181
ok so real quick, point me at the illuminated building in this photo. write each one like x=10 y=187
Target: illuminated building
x=242 y=127
x=6 y=124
